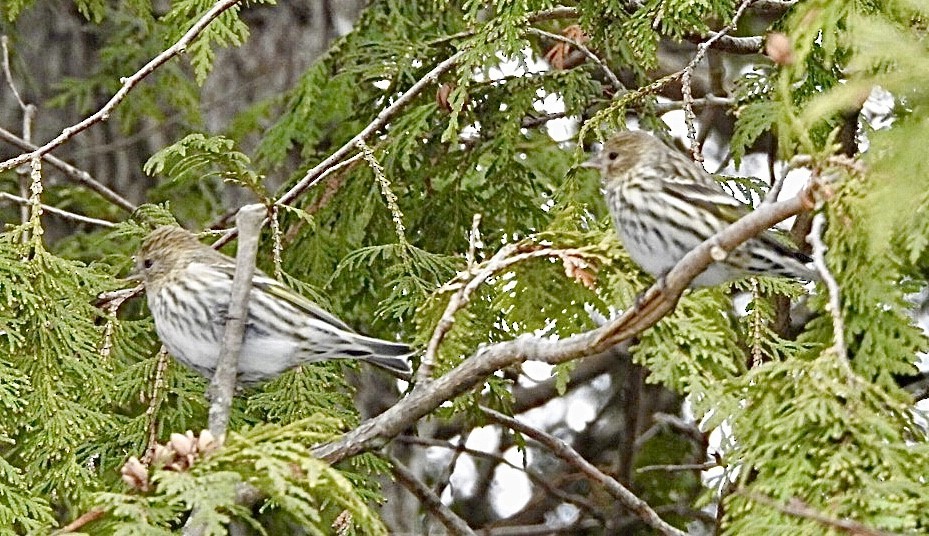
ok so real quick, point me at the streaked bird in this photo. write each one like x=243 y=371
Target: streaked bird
x=663 y=205
x=189 y=284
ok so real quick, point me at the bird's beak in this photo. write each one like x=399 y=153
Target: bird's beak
x=591 y=163
x=135 y=274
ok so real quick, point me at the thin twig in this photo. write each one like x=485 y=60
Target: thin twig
x=834 y=305
x=573 y=458
x=430 y=501
x=315 y=174
x=128 y=84
x=28 y=116
x=689 y=117
x=707 y=100
x=445 y=478
x=610 y=75
x=7 y=73
x=59 y=212
x=798 y=508
x=474 y=240
x=777 y=185
x=678 y=467
x=154 y=403
x=504 y=258
x=540 y=480
x=231 y=233
x=222 y=386
x=88 y=517
x=735 y=45
x=72 y=173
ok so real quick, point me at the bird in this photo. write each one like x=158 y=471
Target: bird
x=663 y=204
x=188 y=287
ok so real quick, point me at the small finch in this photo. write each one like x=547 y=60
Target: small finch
x=663 y=205
x=189 y=284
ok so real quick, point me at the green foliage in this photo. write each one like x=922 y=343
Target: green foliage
x=379 y=241
x=55 y=374
x=305 y=491
x=197 y=157
x=694 y=348
x=846 y=446
x=226 y=30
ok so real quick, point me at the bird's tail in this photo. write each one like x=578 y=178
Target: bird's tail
x=390 y=356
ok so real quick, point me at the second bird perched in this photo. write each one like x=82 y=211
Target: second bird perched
x=663 y=205
x=189 y=285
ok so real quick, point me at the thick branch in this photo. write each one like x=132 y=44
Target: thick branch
x=656 y=302
x=222 y=387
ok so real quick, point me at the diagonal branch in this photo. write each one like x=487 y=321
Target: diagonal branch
x=564 y=451
x=658 y=301
x=433 y=504
x=314 y=175
x=72 y=173
x=128 y=83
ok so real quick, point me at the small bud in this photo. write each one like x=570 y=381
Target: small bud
x=777 y=47
x=181 y=444
x=162 y=456
x=718 y=253
x=206 y=442
x=442 y=94
x=135 y=474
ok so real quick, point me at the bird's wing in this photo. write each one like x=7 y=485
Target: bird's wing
x=278 y=290
x=273 y=287
x=685 y=180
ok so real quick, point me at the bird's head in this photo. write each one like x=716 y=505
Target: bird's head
x=164 y=250
x=623 y=151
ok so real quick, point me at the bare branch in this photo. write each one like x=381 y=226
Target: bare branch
x=89 y=517
x=314 y=175
x=430 y=501
x=689 y=117
x=128 y=84
x=59 y=212
x=222 y=386
x=834 y=305
x=656 y=302
x=72 y=173
x=231 y=233
x=4 y=44
x=610 y=75
x=707 y=100
x=538 y=479
x=504 y=258
x=678 y=467
x=735 y=45
x=573 y=458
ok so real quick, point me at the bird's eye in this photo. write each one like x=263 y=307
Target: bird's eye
x=612 y=155
x=147 y=263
